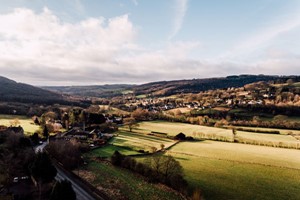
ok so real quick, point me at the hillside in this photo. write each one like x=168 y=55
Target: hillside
x=103 y=91
x=11 y=91
x=165 y=88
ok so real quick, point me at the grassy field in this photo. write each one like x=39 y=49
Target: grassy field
x=108 y=151
x=237 y=171
x=140 y=141
x=25 y=122
x=113 y=110
x=121 y=184
x=193 y=130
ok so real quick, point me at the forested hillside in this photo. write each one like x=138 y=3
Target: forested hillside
x=11 y=91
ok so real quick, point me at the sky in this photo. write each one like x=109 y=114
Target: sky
x=84 y=42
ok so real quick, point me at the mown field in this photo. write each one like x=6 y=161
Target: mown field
x=172 y=129
x=140 y=141
x=27 y=123
x=108 y=150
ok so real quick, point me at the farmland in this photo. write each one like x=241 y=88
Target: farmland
x=25 y=122
x=108 y=151
x=212 y=132
x=231 y=171
x=224 y=170
x=140 y=141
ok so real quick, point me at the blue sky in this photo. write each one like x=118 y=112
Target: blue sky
x=80 y=42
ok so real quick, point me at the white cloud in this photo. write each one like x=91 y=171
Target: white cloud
x=180 y=11
x=41 y=49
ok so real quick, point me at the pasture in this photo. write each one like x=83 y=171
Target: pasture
x=120 y=183
x=237 y=171
x=197 y=131
x=108 y=151
x=140 y=141
x=26 y=122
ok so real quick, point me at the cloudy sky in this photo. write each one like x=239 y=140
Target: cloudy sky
x=81 y=42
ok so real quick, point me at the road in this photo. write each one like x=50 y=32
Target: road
x=81 y=194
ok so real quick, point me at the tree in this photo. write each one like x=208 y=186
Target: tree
x=117 y=158
x=164 y=167
x=131 y=123
x=234 y=133
x=180 y=136
x=16 y=154
x=42 y=168
x=63 y=190
x=153 y=149
x=66 y=152
x=162 y=146
x=290 y=81
x=45 y=132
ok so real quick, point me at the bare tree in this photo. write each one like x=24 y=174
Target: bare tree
x=130 y=123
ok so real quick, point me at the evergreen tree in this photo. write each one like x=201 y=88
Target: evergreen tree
x=63 y=190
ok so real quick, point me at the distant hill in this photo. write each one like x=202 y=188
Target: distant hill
x=103 y=91
x=165 y=88
x=11 y=91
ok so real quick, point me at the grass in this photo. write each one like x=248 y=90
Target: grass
x=122 y=184
x=297 y=84
x=141 y=96
x=182 y=110
x=27 y=123
x=238 y=171
x=113 y=110
x=190 y=130
x=139 y=141
x=108 y=151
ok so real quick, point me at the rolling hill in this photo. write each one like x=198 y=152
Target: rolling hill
x=11 y=91
x=166 y=88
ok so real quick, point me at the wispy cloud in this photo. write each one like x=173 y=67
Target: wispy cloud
x=263 y=38
x=79 y=6
x=135 y=2
x=181 y=7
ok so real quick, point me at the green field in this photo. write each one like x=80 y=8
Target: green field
x=122 y=184
x=140 y=141
x=220 y=170
x=108 y=151
x=237 y=171
x=27 y=123
x=193 y=130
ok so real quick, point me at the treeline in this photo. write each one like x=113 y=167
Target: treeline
x=156 y=169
